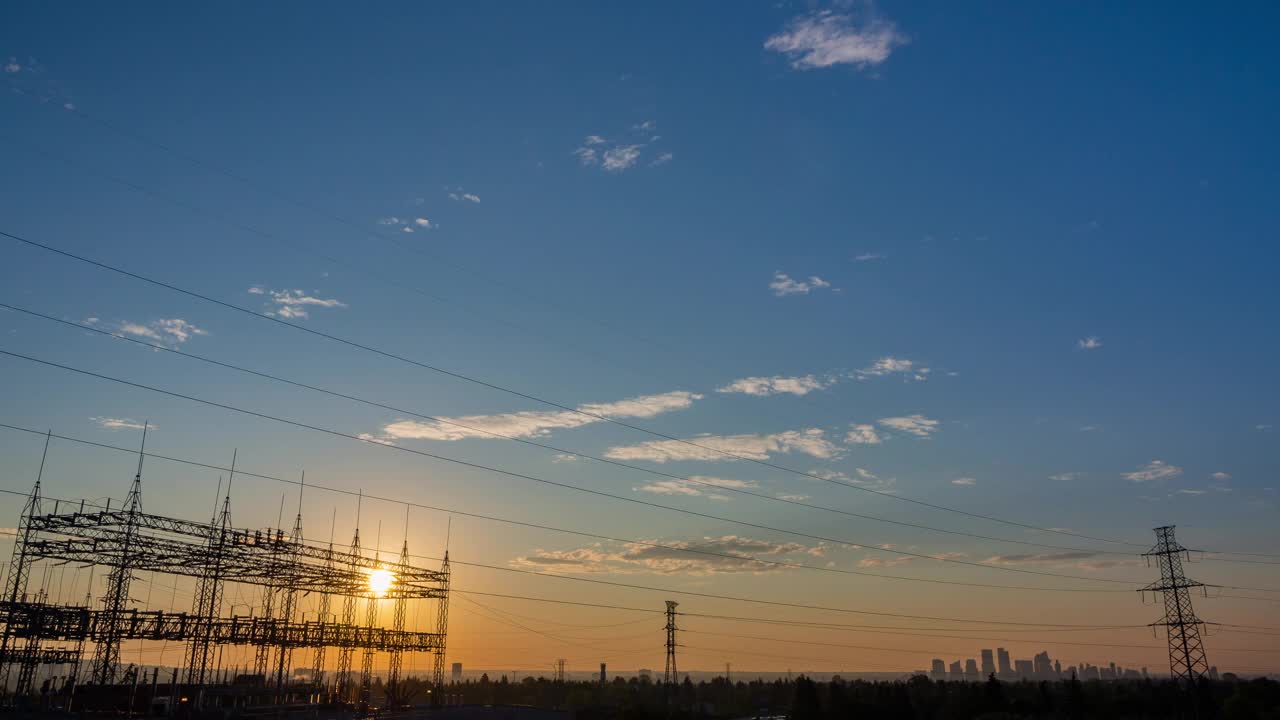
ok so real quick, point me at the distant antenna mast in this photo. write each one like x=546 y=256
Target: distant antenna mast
x=1186 y=651
x=672 y=675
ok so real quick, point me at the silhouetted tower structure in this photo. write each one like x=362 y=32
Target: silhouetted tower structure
x=16 y=590
x=289 y=596
x=442 y=613
x=322 y=613
x=209 y=590
x=348 y=618
x=370 y=621
x=670 y=676
x=396 y=663
x=1186 y=651
x=106 y=656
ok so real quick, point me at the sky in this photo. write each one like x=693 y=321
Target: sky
x=1012 y=260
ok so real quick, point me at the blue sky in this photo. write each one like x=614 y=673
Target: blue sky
x=656 y=202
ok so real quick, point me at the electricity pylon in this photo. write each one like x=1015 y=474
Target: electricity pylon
x=1186 y=651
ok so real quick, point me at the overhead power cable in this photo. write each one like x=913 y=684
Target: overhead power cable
x=533 y=443
x=534 y=398
x=553 y=483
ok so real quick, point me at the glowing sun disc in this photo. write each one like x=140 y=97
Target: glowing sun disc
x=380 y=581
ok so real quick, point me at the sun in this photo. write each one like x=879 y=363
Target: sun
x=380 y=581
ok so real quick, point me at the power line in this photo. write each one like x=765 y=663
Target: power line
x=533 y=443
x=533 y=398
x=510 y=473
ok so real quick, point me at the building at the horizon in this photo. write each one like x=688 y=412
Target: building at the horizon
x=939 y=671
x=1002 y=658
x=457 y=672
x=971 y=670
x=988 y=663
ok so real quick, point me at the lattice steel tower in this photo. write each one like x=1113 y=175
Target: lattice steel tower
x=671 y=675
x=1186 y=651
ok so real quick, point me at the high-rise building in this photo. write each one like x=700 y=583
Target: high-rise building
x=604 y=676
x=1057 y=668
x=1043 y=668
x=939 y=669
x=988 y=663
x=1002 y=656
x=970 y=670
x=1023 y=669
x=955 y=671
x=457 y=672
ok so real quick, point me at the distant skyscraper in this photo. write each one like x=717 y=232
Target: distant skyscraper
x=939 y=669
x=988 y=663
x=1057 y=668
x=970 y=670
x=1043 y=668
x=604 y=676
x=1023 y=669
x=1002 y=656
x=457 y=672
x=955 y=672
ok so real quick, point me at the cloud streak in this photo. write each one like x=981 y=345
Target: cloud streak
x=825 y=38
x=714 y=448
x=537 y=423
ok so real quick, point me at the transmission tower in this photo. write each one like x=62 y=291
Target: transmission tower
x=1186 y=651
x=106 y=655
x=670 y=677
x=19 y=572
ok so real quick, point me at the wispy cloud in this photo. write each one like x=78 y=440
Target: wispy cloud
x=863 y=435
x=166 y=331
x=917 y=425
x=564 y=458
x=1065 y=477
x=624 y=152
x=1220 y=476
x=784 y=285
x=695 y=486
x=868 y=257
x=293 y=304
x=1092 y=342
x=720 y=448
x=775 y=385
x=111 y=423
x=409 y=225
x=964 y=481
x=537 y=423
x=733 y=554
x=894 y=366
x=460 y=195
x=1189 y=491
x=825 y=38
x=1153 y=471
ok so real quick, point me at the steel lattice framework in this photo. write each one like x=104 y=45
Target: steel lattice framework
x=1186 y=650
x=128 y=541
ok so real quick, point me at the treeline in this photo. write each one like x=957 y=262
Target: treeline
x=916 y=699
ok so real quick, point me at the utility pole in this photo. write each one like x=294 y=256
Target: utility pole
x=1186 y=651
x=671 y=675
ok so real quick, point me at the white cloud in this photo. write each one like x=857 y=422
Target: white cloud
x=1220 y=476
x=863 y=435
x=593 y=140
x=784 y=285
x=1190 y=492
x=392 y=220
x=966 y=481
x=775 y=385
x=164 y=330
x=695 y=486
x=1090 y=343
x=564 y=458
x=825 y=38
x=293 y=304
x=711 y=448
x=459 y=195
x=586 y=155
x=12 y=66
x=890 y=365
x=733 y=554
x=1261 y=427
x=1065 y=477
x=645 y=126
x=110 y=423
x=663 y=159
x=536 y=423
x=868 y=257
x=424 y=223
x=917 y=425
x=794 y=498
x=1154 y=470
x=620 y=158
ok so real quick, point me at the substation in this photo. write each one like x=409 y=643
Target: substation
x=61 y=656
